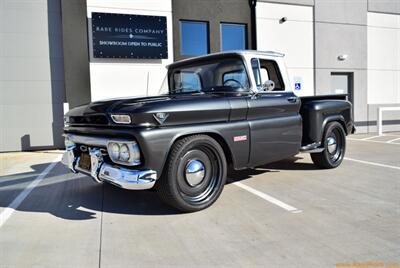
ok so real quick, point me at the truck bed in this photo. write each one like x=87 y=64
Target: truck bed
x=317 y=111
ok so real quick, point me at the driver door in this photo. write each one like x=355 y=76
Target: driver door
x=273 y=116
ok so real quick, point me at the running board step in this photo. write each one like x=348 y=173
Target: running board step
x=312 y=148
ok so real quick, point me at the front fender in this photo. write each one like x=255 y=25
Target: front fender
x=155 y=144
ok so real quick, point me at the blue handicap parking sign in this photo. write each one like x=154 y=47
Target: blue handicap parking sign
x=297 y=86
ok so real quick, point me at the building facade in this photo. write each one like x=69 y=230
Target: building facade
x=50 y=58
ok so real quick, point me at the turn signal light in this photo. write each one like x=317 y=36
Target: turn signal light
x=121 y=118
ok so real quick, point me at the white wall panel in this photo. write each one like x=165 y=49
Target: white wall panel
x=383 y=48
x=294 y=38
x=383 y=58
x=383 y=87
x=31 y=75
x=143 y=5
x=112 y=78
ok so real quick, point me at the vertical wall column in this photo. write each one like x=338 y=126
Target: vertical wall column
x=383 y=68
x=341 y=30
x=76 y=56
x=289 y=29
x=31 y=75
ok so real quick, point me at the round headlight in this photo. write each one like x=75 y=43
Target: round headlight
x=114 y=151
x=124 y=153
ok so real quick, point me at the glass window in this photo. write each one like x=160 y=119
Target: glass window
x=237 y=78
x=185 y=81
x=264 y=70
x=226 y=74
x=194 y=38
x=255 y=65
x=272 y=72
x=233 y=36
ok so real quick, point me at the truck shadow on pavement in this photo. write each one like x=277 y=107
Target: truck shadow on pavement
x=76 y=197
x=287 y=164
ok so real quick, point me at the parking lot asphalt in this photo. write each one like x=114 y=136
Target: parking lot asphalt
x=285 y=214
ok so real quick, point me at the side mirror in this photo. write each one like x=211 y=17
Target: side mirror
x=268 y=85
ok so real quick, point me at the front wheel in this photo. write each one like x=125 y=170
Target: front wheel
x=195 y=174
x=334 y=141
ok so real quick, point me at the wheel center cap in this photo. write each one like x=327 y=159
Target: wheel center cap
x=194 y=172
x=332 y=145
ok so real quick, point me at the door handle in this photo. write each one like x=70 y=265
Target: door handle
x=292 y=99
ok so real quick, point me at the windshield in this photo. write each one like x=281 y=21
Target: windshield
x=224 y=75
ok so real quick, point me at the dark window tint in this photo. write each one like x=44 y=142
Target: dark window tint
x=270 y=69
x=236 y=78
x=255 y=65
x=267 y=70
x=223 y=74
x=233 y=36
x=187 y=82
x=194 y=38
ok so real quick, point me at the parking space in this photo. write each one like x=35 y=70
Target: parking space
x=286 y=214
x=391 y=137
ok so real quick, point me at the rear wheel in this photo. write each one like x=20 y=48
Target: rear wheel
x=195 y=174
x=334 y=141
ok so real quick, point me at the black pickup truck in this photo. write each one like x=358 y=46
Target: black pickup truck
x=233 y=109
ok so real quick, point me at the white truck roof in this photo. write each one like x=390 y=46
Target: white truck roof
x=245 y=53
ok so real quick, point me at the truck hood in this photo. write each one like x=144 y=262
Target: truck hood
x=175 y=109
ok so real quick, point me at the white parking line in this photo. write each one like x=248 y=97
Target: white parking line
x=371 y=163
x=370 y=138
x=391 y=141
x=383 y=142
x=8 y=211
x=268 y=198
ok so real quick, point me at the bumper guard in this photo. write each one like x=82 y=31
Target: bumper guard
x=101 y=171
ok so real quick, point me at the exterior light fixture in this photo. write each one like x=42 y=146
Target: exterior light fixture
x=121 y=118
x=342 y=57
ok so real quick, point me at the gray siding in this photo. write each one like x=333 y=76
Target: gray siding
x=215 y=12
x=76 y=60
x=31 y=75
x=384 y=6
x=290 y=2
x=341 y=28
x=341 y=11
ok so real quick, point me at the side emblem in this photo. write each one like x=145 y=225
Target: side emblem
x=240 y=138
x=160 y=117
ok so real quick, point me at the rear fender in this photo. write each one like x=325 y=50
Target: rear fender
x=332 y=118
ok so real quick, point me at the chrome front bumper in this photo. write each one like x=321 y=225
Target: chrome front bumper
x=101 y=171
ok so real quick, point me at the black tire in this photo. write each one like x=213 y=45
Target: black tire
x=186 y=189
x=332 y=155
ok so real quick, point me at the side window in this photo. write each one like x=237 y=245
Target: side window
x=270 y=71
x=255 y=65
x=235 y=79
x=186 y=82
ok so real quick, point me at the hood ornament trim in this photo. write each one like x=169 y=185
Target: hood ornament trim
x=160 y=117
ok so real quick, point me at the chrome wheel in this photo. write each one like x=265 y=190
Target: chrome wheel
x=194 y=172
x=332 y=145
x=199 y=174
x=335 y=147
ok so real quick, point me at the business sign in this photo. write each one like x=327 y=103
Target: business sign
x=129 y=36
